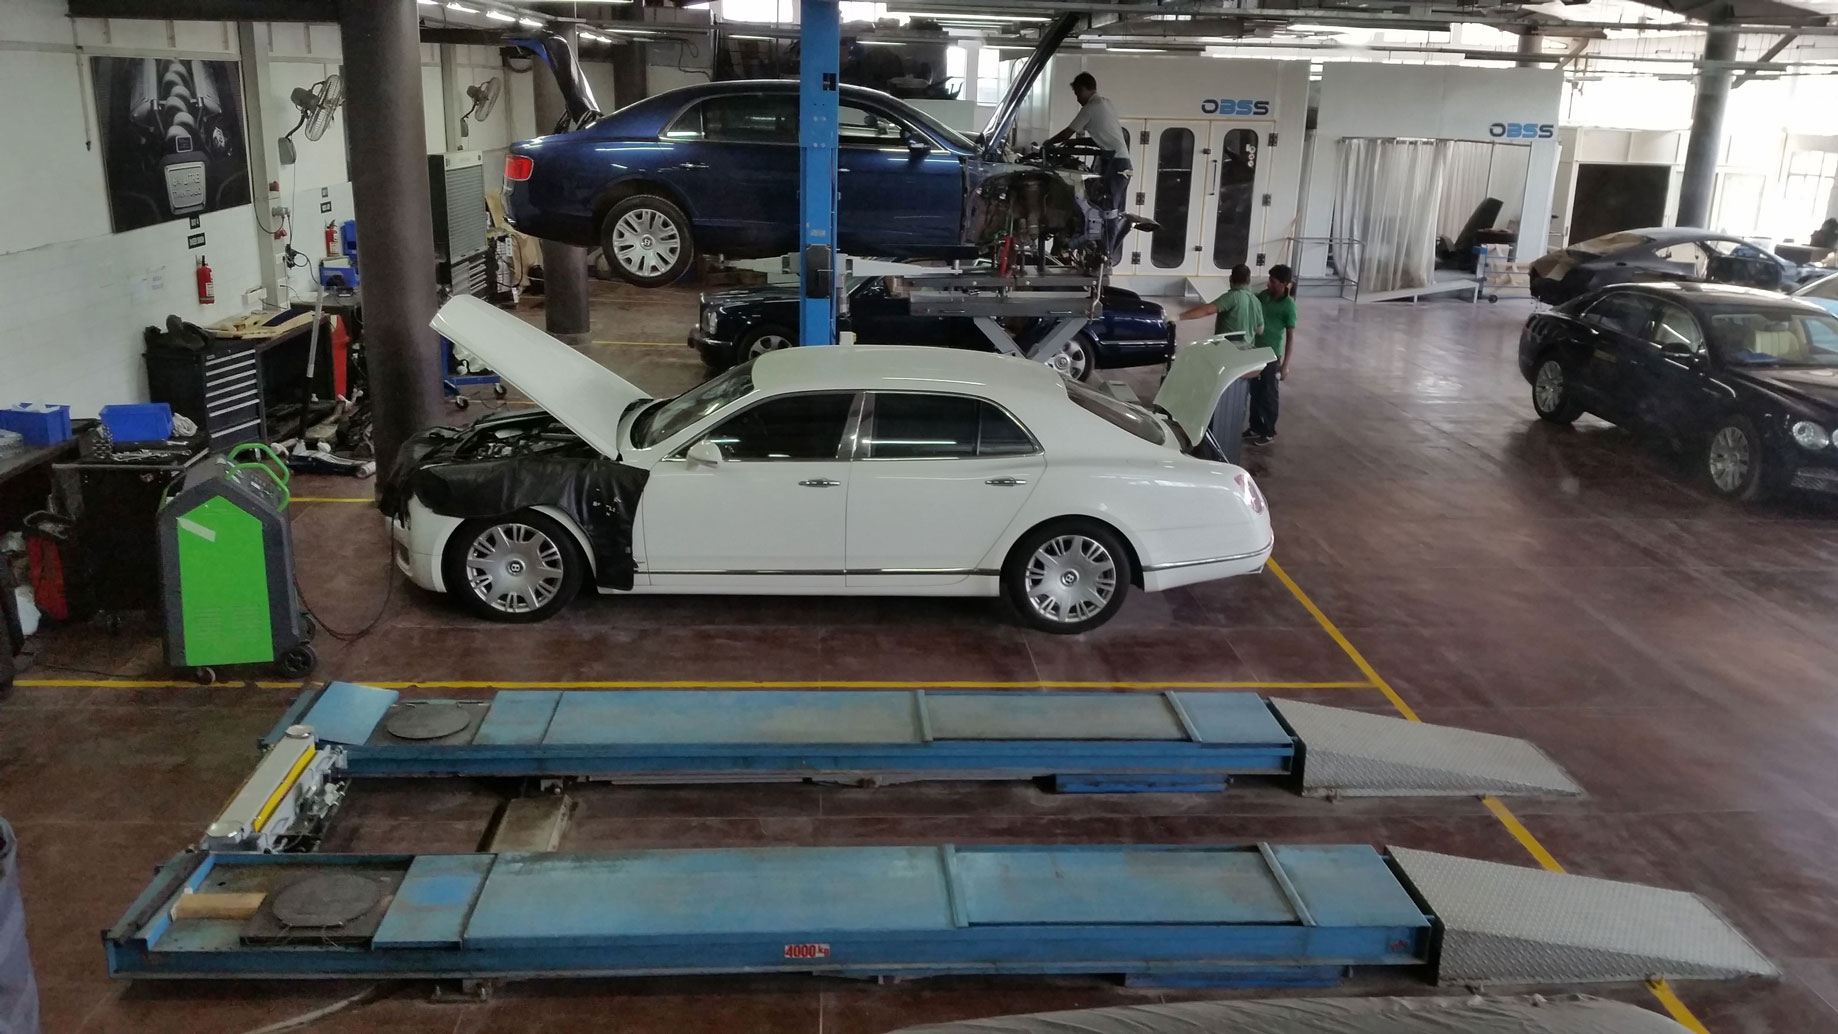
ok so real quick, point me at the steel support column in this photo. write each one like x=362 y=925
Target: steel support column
x=1704 y=148
x=264 y=163
x=564 y=266
x=1531 y=44
x=820 y=43
x=389 y=194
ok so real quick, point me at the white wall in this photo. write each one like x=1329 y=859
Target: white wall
x=1435 y=102
x=74 y=296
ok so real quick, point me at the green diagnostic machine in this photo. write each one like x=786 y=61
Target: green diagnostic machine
x=227 y=568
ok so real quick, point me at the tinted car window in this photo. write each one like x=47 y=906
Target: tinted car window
x=857 y=125
x=751 y=118
x=915 y=426
x=796 y=427
x=1676 y=330
x=1826 y=289
x=1774 y=337
x=1621 y=312
x=1133 y=419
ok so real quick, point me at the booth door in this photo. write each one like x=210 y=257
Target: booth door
x=1170 y=175
x=1231 y=211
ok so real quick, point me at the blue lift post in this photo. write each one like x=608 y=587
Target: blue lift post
x=819 y=43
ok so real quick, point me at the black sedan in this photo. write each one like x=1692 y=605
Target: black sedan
x=747 y=322
x=1748 y=377
x=1658 y=254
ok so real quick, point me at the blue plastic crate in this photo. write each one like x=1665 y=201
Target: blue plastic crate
x=138 y=421
x=41 y=423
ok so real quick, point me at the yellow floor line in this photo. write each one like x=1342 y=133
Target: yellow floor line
x=703 y=684
x=1661 y=990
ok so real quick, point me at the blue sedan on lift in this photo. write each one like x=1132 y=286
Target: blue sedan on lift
x=714 y=168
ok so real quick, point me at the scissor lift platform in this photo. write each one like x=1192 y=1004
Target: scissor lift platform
x=1260 y=914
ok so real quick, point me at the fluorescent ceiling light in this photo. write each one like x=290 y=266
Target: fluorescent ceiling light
x=1137 y=50
x=736 y=35
x=531 y=22
x=1094 y=46
x=462 y=8
x=952 y=16
x=428 y=3
x=595 y=38
x=500 y=16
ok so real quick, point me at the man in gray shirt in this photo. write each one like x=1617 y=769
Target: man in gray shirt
x=1098 y=120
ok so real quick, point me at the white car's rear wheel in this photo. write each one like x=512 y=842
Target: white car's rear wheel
x=522 y=567
x=1067 y=576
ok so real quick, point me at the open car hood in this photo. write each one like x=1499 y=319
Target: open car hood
x=1198 y=379
x=579 y=392
x=579 y=107
x=995 y=134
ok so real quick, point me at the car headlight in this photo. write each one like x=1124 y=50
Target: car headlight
x=708 y=321
x=1809 y=435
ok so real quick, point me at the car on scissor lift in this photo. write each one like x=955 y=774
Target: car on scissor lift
x=714 y=168
x=747 y=322
x=881 y=470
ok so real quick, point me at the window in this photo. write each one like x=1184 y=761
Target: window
x=1676 y=331
x=1134 y=419
x=860 y=126
x=1826 y=289
x=665 y=419
x=1173 y=194
x=749 y=118
x=1774 y=337
x=796 y=427
x=1237 y=196
x=915 y=426
x=1807 y=190
x=1689 y=256
x=1621 y=312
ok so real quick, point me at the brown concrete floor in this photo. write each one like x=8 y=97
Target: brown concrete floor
x=1677 y=654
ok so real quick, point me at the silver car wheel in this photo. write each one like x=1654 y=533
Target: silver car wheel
x=1548 y=388
x=514 y=568
x=767 y=343
x=1070 y=578
x=1073 y=361
x=1729 y=459
x=646 y=242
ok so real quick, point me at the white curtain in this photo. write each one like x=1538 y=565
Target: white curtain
x=1465 y=184
x=1389 y=199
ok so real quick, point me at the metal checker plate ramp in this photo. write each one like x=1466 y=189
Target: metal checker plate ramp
x=1353 y=753
x=1516 y=925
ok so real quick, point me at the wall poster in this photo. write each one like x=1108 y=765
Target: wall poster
x=172 y=137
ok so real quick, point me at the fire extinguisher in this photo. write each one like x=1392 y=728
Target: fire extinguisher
x=331 y=241
x=207 y=294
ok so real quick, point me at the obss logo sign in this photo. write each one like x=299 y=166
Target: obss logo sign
x=1522 y=130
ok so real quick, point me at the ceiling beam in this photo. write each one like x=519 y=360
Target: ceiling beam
x=1772 y=52
x=210 y=10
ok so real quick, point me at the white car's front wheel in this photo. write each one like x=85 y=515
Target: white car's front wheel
x=521 y=567
x=1067 y=576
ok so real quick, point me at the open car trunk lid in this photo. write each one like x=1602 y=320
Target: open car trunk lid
x=579 y=392
x=1199 y=377
x=996 y=132
x=579 y=107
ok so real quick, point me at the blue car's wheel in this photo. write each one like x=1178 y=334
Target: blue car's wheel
x=646 y=241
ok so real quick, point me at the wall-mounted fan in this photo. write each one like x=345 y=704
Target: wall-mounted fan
x=484 y=97
x=317 y=103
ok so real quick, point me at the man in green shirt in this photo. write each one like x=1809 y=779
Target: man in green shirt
x=1278 y=304
x=1235 y=310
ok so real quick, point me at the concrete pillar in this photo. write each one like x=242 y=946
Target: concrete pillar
x=452 y=97
x=1704 y=147
x=389 y=193
x=1530 y=43
x=564 y=266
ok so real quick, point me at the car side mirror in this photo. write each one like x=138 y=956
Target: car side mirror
x=706 y=452
x=917 y=143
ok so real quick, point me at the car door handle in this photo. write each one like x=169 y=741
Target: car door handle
x=819 y=483
x=1006 y=482
x=692 y=165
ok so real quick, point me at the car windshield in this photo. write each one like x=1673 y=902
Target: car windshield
x=1774 y=337
x=667 y=418
x=1824 y=290
x=1608 y=244
x=1133 y=419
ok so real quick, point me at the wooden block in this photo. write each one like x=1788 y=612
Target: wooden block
x=530 y=824
x=239 y=905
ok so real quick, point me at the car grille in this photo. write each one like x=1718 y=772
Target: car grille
x=1817 y=479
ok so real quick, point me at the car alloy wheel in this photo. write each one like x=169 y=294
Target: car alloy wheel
x=768 y=342
x=514 y=568
x=646 y=242
x=1548 y=389
x=1729 y=459
x=1073 y=362
x=1070 y=578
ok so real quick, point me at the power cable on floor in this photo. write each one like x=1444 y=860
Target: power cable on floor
x=364 y=997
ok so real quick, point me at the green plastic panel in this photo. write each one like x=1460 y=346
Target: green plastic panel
x=223 y=585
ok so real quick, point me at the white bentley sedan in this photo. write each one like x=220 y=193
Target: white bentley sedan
x=849 y=470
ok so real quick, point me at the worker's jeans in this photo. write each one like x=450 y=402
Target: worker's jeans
x=1263 y=401
x=1115 y=170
